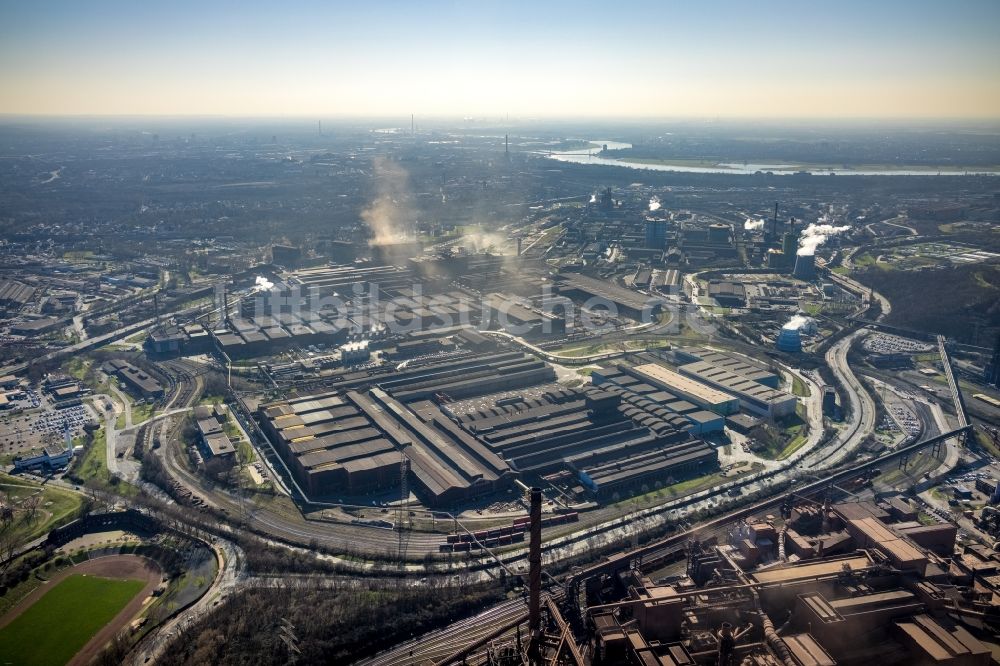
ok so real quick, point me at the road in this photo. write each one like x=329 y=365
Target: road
x=227 y=579
x=885 y=307
x=72 y=350
x=858 y=405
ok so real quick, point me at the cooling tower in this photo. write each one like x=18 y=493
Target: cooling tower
x=805 y=266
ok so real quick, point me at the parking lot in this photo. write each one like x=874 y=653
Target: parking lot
x=884 y=343
x=42 y=425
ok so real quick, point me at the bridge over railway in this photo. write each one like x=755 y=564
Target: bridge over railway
x=956 y=390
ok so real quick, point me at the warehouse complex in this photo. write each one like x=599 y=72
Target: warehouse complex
x=736 y=364
x=463 y=416
x=610 y=445
x=753 y=396
x=690 y=389
x=469 y=426
x=627 y=302
x=354 y=443
x=469 y=419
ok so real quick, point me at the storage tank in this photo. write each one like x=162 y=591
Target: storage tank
x=789 y=340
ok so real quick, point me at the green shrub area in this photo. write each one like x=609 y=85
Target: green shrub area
x=955 y=301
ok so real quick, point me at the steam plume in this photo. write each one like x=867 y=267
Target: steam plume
x=797 y=322
x=483 y=241
x=388 y=214
x=816 y=234
x=654 y=203
x=753 y=225
x=262 y=284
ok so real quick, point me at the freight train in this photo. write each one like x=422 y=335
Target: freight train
x=501 y=536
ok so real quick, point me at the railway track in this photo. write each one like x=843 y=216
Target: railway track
x=437 y=645
x=183 y=383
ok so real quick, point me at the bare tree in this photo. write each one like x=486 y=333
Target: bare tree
x=8 y=546
x=6 y=510
x=30 y=505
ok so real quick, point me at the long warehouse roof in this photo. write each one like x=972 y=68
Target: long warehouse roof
x=684 y=384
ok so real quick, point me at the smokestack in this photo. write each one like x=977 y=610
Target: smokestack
x=519 y=246
x=774 y=222
x=805 y=267
x=826 y=517
x=413 y=126
x=506 y=144
x=319 y=125
x=727 y=644
x=535 y=563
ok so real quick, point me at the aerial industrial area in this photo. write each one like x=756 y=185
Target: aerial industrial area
x=490 y=393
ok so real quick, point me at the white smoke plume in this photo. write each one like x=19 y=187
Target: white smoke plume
x=483 y=241
x=815 y=235
x=388 y=215
x=753 y=225
x=261 y=284
x=797 y=322
x=654 y=203
x=593 y=198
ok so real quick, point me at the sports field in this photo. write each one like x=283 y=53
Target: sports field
x=57 y=625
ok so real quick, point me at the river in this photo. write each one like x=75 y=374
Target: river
x=590 y=156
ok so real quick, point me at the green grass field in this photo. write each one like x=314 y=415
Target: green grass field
x=64 y=619
x=55 y=507
x=92 y=467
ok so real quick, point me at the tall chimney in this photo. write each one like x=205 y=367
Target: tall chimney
x=535 y=563
x=826 y=516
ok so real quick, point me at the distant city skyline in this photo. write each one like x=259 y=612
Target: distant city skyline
x=632 y=59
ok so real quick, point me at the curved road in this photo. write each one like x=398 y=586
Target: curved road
x=858 y=405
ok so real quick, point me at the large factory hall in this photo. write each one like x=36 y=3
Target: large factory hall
x=470 y=425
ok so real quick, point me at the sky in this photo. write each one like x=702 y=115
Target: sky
x=623 y=59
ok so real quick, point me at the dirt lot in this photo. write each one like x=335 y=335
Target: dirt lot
x=116 y=566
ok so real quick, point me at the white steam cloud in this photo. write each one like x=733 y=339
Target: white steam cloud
x=816 y=234
x=261 y=284
x=753 y=225
x=593 y=198
x=484 y=241
x=797 y=322
x=654 y=203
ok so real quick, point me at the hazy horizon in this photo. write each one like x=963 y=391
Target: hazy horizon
x=640 y=60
